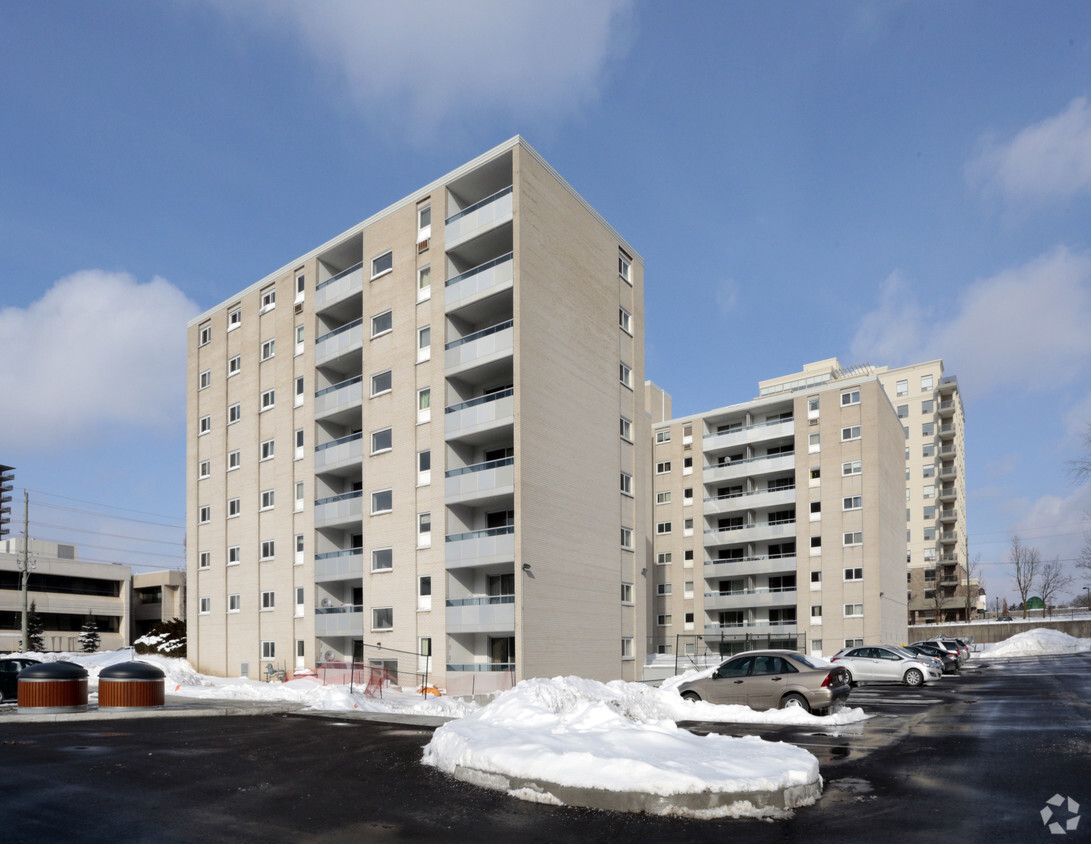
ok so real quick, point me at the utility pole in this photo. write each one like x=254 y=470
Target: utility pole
x=25 y=567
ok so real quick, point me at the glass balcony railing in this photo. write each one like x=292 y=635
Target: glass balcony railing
x=479 y=217
x=495 y=274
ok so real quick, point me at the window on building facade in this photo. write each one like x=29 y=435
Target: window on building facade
x=382 y=323
x=854 y=610
x=204 y=560
x=268 y=349
x=268 y=449
x=853 y=537
x=268 y=549
x=204 y=606
x=850 y=397
x=204 y=334
x=662 y=467
x=380 y=383
x=852 y=502
x=626 y=429
x=204 y=469
x=851 y=467
x=204 y=380
x=234 y=460
x=268 y=600
x=381 y=501
x=234 y=319
x=626 y=483
x=382 y=264
x=903 y=388
x=381 y=440
x=268 y=649
x=234 y=365
x=625 y=266
x=234 y=555
x=627 y=538
x=424 y=283
x=267 y=499
x=926 y=383
x=382 y=559
x=851 y=432
x=204 y=425
x=234 y=602
x=268 y=400
x=382 y=618
x=625 y=375
x=204 y=514
x=856 y=573
x=268 y=299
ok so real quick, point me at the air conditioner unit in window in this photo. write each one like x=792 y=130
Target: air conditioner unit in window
x=299 y=307
x=423 y=245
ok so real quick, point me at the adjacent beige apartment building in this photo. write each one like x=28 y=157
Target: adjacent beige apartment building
x=424 y=444
x=779 y=522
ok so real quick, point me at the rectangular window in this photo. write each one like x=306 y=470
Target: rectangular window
x=816 y=611
x=299 y=549
x=663 y=527
x=854 y=574
x=381 y=501
x=851 y=432
x=300 y=285
x=852 y=467
x=298 y=443
x=204 y=335
x=381 y=440
x=300 y=335
x=298 y=496
x=626 y=593
x=814 y=443
x=853 y=643
x=382 y=323
x=929 y=470
x=268 y=400
x=928 y=429
x=626 y=429
x=268 y=448
x=663 y=558
x=424 y=343
x=234 y=413
x=234 y=319
x=663 y=497
x=928 y=407
x=687 y=465
x=268 y=349
x=268 y=549
x=268 y=299
x=233 y=508
x=424 y=405
x=267 y=499
x=382 y=618
x=928 y=450
x=687 y=527
x=852 y=502
x=687 y=496
x=234 y=555
x=626 y=483
x=625 y=266
x=663 y=620
x=662 y=436
x=234 y=602
x=854 y=610
x=930 y=533
x=627 y=647
x=204 y=380
x=205 y=605
x=380 y=383
x=204 y=514
x=424 y=530
x=382 y=559
x=812 y=407
x=300 y=601
x=930 y=511
x=234 y=365
x=424 y=283
x=903 y=411
x=627 y=538
x=929 y=491
x=926 y=383
x=903 y=388
x=662 y=467
x=625 y=320
x=851 y=397
x=664 y=589
x=687 y=557
x=382 y=264
x=853 y=537
x=268 y=649
x=816 y=577
x=204 y=560
x=299 y=391
x=268 y=600
x=625 y=375
x=204 y=468
x=204 y=425
x=234 y=460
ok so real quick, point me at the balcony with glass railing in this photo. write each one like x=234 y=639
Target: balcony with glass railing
x=770 y=430
x=776 y=628
x=747 y=598
x=338 y=453
x=479 y=415
x=340 y=396
x=343 y=509
x=481 y=614
x=758 y=564
x=488 y=479
x=755 y=532
x=348 y=282
x=948 y=473
x=947 y=431
x=476 y=219
x=481 y=348
x=339 y=565
x=480 y=547
x=948 y=536
x=346 y=620
x=753 y=500
x=753 y=466
x=478 y=282
x=347 y=339
x=948 y=515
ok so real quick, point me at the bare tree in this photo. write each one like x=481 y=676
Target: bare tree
x=1027 y=563
x=1052 y=580
x=936 y=598
x=1080 y=468
x=972 y=590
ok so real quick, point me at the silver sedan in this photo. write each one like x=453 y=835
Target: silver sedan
x=885 y=664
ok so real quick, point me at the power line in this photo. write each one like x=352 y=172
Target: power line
x=37 y=524
x=100 y=504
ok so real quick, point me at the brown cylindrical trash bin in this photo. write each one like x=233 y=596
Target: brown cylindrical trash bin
x=52 y=687
x=130 y=685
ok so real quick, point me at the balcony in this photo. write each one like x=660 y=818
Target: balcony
x=339 y=621
x=947 y=431
x=475 y=419
x=493 y=478
x=775 y=628
x=757 y=532
x=480 y=547
x=339 y=565
x=946 y=408
x=478 y=218
x=346 y=283
x=755 y=500
x=491 y=614
x=347 y=338
x=746 y=598
x=481 y=281
x=948 y=451
x=341 y=396
x=736 y=469
x=492 y=344
x=949 y=536
x=346 y=451
x=948 y=473
x=948 y=493
x=948 y=515
x=339 y=510
x=750 y=434
x=947 y=385
x=750 y=565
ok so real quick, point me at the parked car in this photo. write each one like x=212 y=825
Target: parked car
x=772 y=679
x=9 y=676
x=951 y=643
x=948 y=661
x=931 y=659
x=885 y=664
x=1005 y=618
x=954 y=650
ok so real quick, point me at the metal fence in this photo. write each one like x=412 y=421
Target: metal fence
x=693 y=650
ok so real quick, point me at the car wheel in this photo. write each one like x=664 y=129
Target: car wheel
x=794 y=701
x=691 y=696
x=852 y=681
x=913 y=677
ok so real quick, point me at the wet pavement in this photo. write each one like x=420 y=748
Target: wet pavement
x=973 y=758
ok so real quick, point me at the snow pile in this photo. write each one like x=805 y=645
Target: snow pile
x=1038 y=642
x=615 y=736
x=162 y=642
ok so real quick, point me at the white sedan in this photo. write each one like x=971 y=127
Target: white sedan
x=884 y=664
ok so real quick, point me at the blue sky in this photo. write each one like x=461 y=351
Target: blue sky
x=882 y=182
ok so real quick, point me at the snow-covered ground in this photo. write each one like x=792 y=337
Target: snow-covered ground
x=1041 y=641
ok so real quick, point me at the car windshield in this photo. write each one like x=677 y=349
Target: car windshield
x=806 y=660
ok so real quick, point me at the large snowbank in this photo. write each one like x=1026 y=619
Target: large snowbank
x=1040 y=641
x=615 y=736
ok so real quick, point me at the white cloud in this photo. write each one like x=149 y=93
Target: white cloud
x=1056 y=525
x=1026 y=325
x=421 y=64
x=97 y=349
x=1045 y=161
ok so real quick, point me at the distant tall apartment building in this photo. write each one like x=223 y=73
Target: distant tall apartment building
x=779 y=522
x=428 y=437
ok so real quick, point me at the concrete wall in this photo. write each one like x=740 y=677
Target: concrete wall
x=998 y=631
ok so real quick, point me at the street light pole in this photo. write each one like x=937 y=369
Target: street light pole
x=25 y=573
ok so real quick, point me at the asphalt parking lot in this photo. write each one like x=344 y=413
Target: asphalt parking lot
x=970 y=758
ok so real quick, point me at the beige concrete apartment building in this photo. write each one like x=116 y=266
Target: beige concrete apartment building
x=778 y=522
x=424 y=444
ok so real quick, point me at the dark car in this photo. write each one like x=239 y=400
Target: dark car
x=1005 y=618
x=940 y=645
x=949 y=660
x=773 y=679
x=9 y=676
